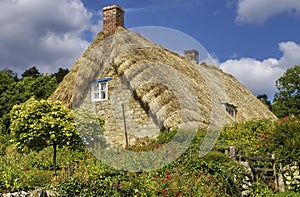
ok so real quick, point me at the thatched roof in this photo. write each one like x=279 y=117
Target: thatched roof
x=170 y=86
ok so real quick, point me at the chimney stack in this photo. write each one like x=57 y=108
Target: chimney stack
x=113 y=17
x=192 y=55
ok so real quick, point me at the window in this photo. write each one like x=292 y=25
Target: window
x=99 y=90
x=230 y=109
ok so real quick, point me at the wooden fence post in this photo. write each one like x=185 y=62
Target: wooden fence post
x=232 y=152
x=281 y=186
x=124 y=121
x=274 y=172
x=226 y=152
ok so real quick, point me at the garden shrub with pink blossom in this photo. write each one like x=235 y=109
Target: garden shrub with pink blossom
x=215 y=174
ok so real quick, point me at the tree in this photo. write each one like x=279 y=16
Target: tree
x=264 y=99
x=18 y=92
x=6 y=82
x=287 y=99
x=12 y=74
x=60 y=74
x=31 y=72
x=39 y=124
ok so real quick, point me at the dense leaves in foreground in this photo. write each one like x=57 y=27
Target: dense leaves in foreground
x=215 y=174
x=37 y=124
x=16 y=91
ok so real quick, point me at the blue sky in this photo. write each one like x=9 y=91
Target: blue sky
x=254 y=40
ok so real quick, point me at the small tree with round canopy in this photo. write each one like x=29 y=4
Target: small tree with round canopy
x=39 y=124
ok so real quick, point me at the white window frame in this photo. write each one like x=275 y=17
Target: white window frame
x=230 y=109
x=100 y=91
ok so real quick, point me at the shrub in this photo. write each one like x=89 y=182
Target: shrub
x=251 y=138
x=286 y=140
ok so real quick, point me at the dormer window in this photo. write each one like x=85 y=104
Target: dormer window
x=230 y=109
x=99 y=90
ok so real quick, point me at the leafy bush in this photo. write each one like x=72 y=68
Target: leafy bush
x=27 y=171
x=4 y=143
x=251 y=138
x=287 y=194
x=286 y=140
x=15 y=174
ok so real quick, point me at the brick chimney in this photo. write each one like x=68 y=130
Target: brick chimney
x=113 y=17
x=192 y=55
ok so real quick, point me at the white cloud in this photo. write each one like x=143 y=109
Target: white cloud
x=260 y=76
x=42 y=33
x=96 y=28
x=258 y=11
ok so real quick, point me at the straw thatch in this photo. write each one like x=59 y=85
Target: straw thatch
x=160 y=88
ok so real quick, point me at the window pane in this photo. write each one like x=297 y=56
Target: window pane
x=95 y=87
x=96 y=95
x=103 y=95
x=103 y=86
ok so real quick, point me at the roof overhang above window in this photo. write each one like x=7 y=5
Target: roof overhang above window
x=106 y=79
x=231 y=105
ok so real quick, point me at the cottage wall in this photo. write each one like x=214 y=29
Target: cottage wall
x=138 y=121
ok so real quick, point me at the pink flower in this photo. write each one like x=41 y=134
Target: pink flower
x=163 y=191
x=286 y=118
x=167 y=172
x=157 y=191
x=266 y=145
x=256 y=145
x=169 y=177
x=117 y=185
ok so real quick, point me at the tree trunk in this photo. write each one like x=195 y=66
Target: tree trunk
x=54 y=160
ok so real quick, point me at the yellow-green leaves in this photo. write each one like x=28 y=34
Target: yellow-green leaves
x=37 y=124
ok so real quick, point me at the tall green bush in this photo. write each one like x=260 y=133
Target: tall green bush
x=286 y=140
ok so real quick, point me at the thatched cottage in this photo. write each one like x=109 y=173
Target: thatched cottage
x=122 y=75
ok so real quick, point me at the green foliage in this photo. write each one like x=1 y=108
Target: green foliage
x=286 y=100
x=90 y=128
x=38 y=124
x=4 y=143
x=15 y=174
x=250 y=138
x=18 y=92
x=60 y=74
x=264 y=99
x=215 y=174
x=28 y=171
x=31 y=72
x=6 y=82
x=11 y=73
x=262 y=190
x=286 y=140
x=287 y=194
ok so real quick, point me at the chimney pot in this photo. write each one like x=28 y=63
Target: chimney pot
x=192 y=55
